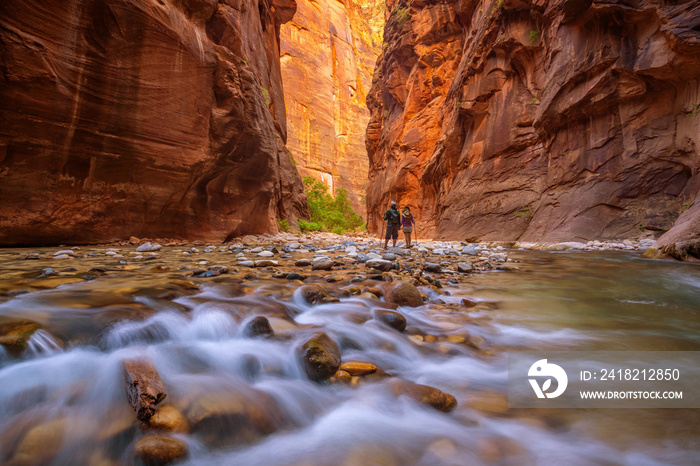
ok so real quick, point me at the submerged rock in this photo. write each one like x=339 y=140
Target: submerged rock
x=314 y=294
x=258 y=326
x=14 y=336
x=320 y=357
x=159 y=450
x=168 y=418
x=391 y=318
x=425 y=394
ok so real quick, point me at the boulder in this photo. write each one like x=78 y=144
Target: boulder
x=379 y=264
x=393 y=319
x=314 y=294
x=322 y=263
x=258 y=326
x=320 y=357
x=404 y=293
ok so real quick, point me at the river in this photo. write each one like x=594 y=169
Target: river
x=244 y=400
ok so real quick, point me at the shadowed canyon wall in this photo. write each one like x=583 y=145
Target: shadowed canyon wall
x=158 y=118
x=537 y=120
x=328 y=55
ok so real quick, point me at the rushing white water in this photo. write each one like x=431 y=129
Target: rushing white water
x=73 y=401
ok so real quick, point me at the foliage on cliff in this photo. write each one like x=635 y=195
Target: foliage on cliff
x=329 y=213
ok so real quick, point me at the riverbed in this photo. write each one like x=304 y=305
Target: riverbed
x=237 y=398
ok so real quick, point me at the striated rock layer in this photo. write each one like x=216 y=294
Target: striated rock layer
x=537 y=120
x=159 y=118
x=328 y=55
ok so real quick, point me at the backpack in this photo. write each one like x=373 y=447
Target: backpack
x=393 y=216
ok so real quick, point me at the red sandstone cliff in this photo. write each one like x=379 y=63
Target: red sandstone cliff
x=158 y=118
x=328 y=54
x=537 y=120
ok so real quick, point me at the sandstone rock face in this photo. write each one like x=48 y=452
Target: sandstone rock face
x=155 y=118
x=328 y=54
x=536 y=120
x=683 y=240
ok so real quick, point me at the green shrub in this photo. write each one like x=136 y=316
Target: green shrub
x=283 y=223
x=534 y=35
x=402 y=15
x=266 y=94
x=308 y=226
x=329 y=213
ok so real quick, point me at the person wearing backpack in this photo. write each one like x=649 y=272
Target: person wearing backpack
x=393 y=218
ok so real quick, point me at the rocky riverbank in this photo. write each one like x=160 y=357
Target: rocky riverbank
x=159 y=351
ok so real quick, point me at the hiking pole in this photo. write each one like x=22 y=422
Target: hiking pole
x=381 y=232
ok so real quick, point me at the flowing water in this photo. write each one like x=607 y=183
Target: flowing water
x=248 y=401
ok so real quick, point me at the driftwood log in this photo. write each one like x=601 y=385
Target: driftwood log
x=144 y=387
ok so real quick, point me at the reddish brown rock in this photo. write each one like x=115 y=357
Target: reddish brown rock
x=550 y=120
x=150 y=118
x=431 y=396
x=144 y=387
x=681 y=242
x=328 y=54
x=320 y=357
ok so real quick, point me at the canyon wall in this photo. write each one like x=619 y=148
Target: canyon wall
x=537 y=120
x=157 y=118
x=328 y=55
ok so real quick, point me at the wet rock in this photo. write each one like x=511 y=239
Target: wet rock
x=62 y=256
x=295 y=276
x=320 y=357
x=227 y=417
x=40 y=443
x=431 y=267
x=389 y=256
x=222 y=269
x=15 y=335
x=464 y=267
x=468 y=302
x=314 y=294
x=404 y=293
x=341 y=376
x=322 y=263
x=206 y=273
x=358 y=368
x=159 y=450
x=266 y=254
x=425 y=394
x=303 y=263
x=391 y=318
x=146 y=247
x=247 y=263
x=169 y=419
x=266 y=263
x=379 y=264
x=144 y=387
x=258 y=326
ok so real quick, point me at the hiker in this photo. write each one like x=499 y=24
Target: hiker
x=407 y=224
x=393 y=218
